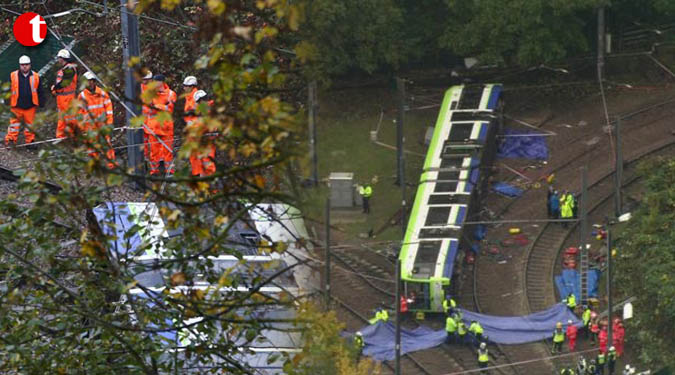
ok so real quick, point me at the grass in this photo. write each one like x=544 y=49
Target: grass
x=344 y=122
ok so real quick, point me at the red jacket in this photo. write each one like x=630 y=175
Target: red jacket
x=571 y=332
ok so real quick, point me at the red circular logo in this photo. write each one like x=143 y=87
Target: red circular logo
x=30 y=29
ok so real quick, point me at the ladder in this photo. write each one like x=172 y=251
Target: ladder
x=583 y=271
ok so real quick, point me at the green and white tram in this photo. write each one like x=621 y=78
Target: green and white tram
x=455 y=170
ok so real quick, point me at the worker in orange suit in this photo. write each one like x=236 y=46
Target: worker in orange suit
x=189 y=89
x=147 y=78
x=163 y=102
x=571 y=335
x=25 y=98
x=96 y=110
x=203 y=154
x=65 y=89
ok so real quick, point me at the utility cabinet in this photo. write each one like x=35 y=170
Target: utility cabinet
x=341 y=189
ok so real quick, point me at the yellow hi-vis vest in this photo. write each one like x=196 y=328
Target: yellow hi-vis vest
x=476 y=328
x=483 y=356
x=558 y=335
x=366 y=191
x=572 y=301
x=450 y=325
x=601 y=358
x=448 y=303
x=461 y=328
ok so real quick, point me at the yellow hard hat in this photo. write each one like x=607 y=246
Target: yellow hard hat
x=558 y=325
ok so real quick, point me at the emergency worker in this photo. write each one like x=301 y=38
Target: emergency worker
x=203 y=152
x=611 y=360
x=358 y=343
x=189 y=90
x=161 y=124
x=558 y=338
x=65 y=90
x=366 y=191
x=449 y=305
x=477 y=330
x=450 y=329
x=571 y=335
x=96 y=110
x=26 y=96
x=147 y=79
x=483 y=357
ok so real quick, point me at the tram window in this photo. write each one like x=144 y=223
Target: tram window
x=437 y=216
x=451 y=162
x=460 y=132
x=445 y=187
x=438 y=233
x=442 y=199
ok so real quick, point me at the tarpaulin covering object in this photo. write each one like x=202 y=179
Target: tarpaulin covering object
x=532 y=147
x=570 y=282
x=506 y=189
x=379 y=338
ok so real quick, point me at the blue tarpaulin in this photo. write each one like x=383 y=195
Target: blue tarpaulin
x=532 y=147
x=570 y=282
x=507 y=189
x=379 y=338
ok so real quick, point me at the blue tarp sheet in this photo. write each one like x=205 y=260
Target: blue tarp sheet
x=379 y=338
x=506 y=189
x=570 y=282
x=533 y=147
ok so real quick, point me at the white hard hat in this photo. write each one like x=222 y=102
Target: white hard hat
x=482 y=345
x=190 y=81
x=569 y=322
x=627 y=367
x=63 y=54
x=359 y=333
x=148 y=76
x=89 y=75
x=198 y=95
x=24 y=60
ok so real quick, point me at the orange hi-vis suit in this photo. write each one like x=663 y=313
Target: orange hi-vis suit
x=96 y=109
x=146 y=114
x=27 y=115
x=202 y=158
x=65 y=91
x=164 y=101
x=571 y=336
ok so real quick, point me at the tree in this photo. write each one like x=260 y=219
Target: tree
x=361 y=35
x=522 y=32
x=324 y=351
x=67 y=300
x=645 y=265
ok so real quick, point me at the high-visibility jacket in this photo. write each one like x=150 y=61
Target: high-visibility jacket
x=476 y=328
x=34 y=84
x=611 y=355
x=601 y=358
x=358 y=342
x=190 y=106
x=461 y=328
x=558 y=335
x=366 y=191
x=164 y=101
x=591 y=369
x=65 y=90
x=404 y=305
x=586 y=316
x=571 y=301
x=96 y=108
x=450 y=325
x=384 y=315
x=448 y=303
x=483 y=355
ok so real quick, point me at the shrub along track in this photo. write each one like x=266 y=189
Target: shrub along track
x=536 y=293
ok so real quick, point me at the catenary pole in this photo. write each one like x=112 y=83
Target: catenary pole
x=327 y=290
x=601 y=43
x=311 y=120
x=583 y=233
x=398 y=317
x=609 y=285
x=618 y=173
x=131 y=49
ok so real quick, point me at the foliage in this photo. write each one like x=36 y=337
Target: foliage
x=324 y=351
x=646 y=262
x=61 y=283
x=363 y=35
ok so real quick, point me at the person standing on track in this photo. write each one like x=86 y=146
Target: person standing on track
x=571 y=335
x=96 y=110
x=147 y=79
x=65 y=89
x=26 y=96
x=558 y=338
x=450 y=329
x=203 y=154
x=366 y=191
x=483 y=357
x=161 y=124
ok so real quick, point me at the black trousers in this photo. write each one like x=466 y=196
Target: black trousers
x=366 y=205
